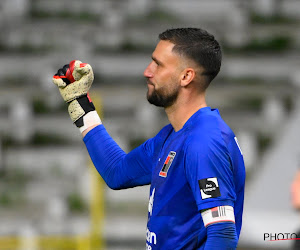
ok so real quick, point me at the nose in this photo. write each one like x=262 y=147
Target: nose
x=148 y=71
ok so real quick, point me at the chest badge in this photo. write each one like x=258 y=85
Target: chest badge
x=163 y=172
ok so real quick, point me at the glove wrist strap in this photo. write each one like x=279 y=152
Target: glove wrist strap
x=83 y=114
x=87 y=106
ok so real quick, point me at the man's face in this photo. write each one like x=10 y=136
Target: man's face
x=163 y=75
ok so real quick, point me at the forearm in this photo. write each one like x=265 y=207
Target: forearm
x=118 y=169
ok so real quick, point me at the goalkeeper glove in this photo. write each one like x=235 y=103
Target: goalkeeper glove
x=74 y=81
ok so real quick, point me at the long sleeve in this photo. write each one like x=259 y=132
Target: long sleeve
x=118 y=169
x=221 y=236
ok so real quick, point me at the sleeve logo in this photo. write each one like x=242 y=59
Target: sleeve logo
x=209 y=188
x=167 y=164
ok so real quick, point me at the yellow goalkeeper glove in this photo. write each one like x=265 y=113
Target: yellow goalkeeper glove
x=74 y=81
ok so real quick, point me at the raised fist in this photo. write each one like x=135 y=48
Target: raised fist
x=74 y=80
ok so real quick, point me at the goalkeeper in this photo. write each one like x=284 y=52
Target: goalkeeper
x=194 y=164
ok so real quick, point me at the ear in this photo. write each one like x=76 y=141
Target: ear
x=187 y=76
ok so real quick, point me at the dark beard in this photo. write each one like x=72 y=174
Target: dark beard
x=162 y=101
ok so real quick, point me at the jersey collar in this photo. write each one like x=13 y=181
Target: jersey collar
x=195 y=115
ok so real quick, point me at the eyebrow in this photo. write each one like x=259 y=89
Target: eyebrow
x=156 y=60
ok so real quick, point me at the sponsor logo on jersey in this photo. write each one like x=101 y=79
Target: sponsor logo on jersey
x=167 y=164
x=151 y=201
x=151 y=239
x=209 y=188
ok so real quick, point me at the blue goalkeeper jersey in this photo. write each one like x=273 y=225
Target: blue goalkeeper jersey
x=201 y=166
x=198 y=167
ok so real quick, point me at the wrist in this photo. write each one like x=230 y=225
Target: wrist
x=90 y=120
x=84 y=106
x=83 y=113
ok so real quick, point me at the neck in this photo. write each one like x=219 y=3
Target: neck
x=183 y=109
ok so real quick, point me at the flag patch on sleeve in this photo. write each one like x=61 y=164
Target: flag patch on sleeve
x=218 y=214
x=209 y=188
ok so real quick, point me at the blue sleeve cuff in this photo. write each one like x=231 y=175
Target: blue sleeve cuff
x=92 y=132
x=221 y=236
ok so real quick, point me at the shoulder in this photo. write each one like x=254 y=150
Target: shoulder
x=158 y=139
x=164 y=132
x=202 y=128
x=207 y=132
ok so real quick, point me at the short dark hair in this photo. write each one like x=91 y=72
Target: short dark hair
x=198 y=45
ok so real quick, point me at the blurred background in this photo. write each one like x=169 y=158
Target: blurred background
x=50 y=195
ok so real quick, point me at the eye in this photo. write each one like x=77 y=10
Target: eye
x=156 y=63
